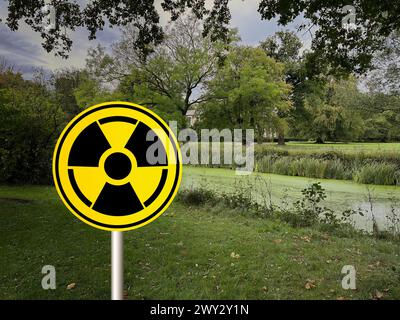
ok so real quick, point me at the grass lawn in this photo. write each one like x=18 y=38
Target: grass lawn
x=185 y=254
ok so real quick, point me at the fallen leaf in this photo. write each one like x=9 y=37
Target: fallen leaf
x=309 y=284
x=340 y=298
x=277 y=241
x=325 y=237
x=71 y=286
x=378 y=295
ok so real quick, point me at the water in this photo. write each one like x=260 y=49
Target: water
x=285 y=190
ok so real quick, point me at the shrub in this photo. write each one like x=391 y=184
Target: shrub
x=30 y=123
x=196 y=197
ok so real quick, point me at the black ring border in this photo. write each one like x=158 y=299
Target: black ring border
x=128 y=106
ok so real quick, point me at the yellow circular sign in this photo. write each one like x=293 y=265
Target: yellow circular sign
x=117 y=166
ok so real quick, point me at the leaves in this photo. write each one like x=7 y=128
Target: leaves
x=378 y=295
x=71 y=286
x=310 y=284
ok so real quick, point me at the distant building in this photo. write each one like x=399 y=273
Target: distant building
x=191 y=116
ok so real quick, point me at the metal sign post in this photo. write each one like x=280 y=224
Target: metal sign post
x=117 y=265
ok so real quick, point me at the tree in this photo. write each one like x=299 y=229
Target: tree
x=248 y=91
x=94 y=15
x=66 y=82
x=174 y=74
x=345 y=34
x=381 y=113
x=284 y=46
x=332 y=112
x=347 y=46
x=31 y=121
x=385 y=76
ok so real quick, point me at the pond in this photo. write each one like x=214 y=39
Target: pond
x=379 y=203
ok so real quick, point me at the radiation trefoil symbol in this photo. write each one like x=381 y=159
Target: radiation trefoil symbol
x=117 y=166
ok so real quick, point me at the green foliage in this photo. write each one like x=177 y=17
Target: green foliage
x=248 y=91
x=357 y=42
x=172 y=77
x=66 y=83
x=283 y=46
x=373 y=23
x=332 y=113
x=309 y=212
x=31 y=121
x=196 y=196
x=385 y=77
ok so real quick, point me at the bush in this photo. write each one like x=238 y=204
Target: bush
x=196 y=197
x=241 y=199
x=30 y=125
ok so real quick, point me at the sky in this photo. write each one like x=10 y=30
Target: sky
x=23 y=49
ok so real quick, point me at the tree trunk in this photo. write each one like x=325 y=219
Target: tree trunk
x=319 y=140
x=281 y=139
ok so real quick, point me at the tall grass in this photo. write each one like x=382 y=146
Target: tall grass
x=378 y=173
x=368 y=168
x=304 y=167
x=363 y=166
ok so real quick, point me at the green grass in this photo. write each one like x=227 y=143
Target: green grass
x=185 y=254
